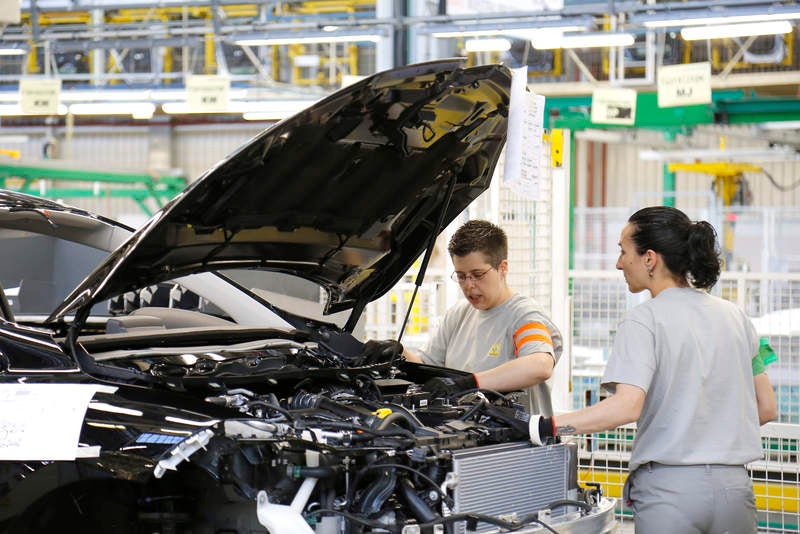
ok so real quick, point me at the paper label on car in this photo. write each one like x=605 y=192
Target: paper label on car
x=42 y=421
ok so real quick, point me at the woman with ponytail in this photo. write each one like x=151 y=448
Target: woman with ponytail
x=682 y=367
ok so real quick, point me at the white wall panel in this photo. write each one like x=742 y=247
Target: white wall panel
x=196 y=148
x=627 y=176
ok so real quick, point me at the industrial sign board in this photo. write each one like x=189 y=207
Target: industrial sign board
x=207 y=92
x=10 y=11
x=614 y=106
x=683 y=85
x=39 y=95
x=523 y=168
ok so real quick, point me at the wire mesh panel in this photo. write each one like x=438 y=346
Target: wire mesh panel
x=528 y=225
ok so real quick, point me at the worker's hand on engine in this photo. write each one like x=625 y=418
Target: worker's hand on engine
x=385 y=351
x=441 y=385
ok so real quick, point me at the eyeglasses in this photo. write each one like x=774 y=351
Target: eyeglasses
x=462 y=278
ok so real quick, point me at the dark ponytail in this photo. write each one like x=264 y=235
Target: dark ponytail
x=704 y=263
x=689 y=248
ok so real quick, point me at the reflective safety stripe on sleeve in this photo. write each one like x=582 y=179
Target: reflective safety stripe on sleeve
x=532 y=332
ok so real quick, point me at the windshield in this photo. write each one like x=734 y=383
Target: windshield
x=287 y=292
x=42 y=270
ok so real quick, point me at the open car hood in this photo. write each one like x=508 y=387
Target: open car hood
x=346 y=193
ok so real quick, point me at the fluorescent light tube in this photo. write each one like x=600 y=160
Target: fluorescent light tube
x=721 y=31
x=523 y=33
x=309 y=39
x=14 y=109
x=586 y=40
x=487 y=45
x=13 y=51
x=275 y=108
x=139 y=110
x=730 y=19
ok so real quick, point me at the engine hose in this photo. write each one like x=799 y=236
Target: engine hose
x=586 y=507
x=309 y=400
x=380 y=490
x=409 y=415
x=394 y=417
x=313 y=472
x=418 y=506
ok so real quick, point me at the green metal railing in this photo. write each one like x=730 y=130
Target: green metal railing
x=139 y=187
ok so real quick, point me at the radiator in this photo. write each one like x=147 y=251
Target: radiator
x=511 y=480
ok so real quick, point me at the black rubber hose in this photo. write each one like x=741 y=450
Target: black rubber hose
x=418 y=506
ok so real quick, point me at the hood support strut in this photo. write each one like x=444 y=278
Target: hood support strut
x=429 y=251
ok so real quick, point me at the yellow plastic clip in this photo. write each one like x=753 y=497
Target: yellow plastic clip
x=381 y=413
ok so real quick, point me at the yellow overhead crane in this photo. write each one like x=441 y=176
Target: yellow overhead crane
x=729 y=183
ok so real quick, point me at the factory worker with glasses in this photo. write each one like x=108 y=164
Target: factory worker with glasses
x=503 y=339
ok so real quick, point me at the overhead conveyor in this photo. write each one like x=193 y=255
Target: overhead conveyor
x=83 y=183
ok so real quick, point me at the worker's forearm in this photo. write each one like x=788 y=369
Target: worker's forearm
x=517 y=374
x=622 y=408
x=411 y=356
x=765 y=399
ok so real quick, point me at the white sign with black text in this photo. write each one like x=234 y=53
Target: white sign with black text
x=683 y=85
x=207 y=92
x=10 y=11
x=39 y=95
x=614 y=106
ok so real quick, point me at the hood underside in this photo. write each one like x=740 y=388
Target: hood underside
x=346 y=193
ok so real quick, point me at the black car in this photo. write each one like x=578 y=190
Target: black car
x=203 y=376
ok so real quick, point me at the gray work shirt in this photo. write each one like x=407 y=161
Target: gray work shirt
x=691 y=353
x=475 y=340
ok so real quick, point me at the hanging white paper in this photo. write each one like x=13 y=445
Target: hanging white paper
x=522 y=169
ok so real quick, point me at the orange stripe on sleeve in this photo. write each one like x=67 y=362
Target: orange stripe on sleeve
x=535 y=337
x=528 y=326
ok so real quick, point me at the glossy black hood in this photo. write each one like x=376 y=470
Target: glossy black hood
x=346 y=193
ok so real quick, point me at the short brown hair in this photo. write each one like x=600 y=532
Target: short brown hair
x=480 y=236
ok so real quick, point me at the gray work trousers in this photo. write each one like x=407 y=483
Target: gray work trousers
x=691 y=499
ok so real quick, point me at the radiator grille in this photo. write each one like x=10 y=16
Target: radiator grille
x=512 y=479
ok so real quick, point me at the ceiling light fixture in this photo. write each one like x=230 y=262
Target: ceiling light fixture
x=693 y=20
x=523 y=33
x=276 y=108
x=13 y=51
x=551 y=40
x=14 y=109
x=139 y=110
x=721 y=31
x=308 y=39
x=487 y=45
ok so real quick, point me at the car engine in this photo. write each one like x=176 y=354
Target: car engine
x=281 y=432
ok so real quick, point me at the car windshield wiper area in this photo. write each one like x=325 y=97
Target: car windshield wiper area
x=159 y=339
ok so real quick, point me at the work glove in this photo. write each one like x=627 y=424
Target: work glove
x=541 y=429
x=441 y=385
x=374 y=351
